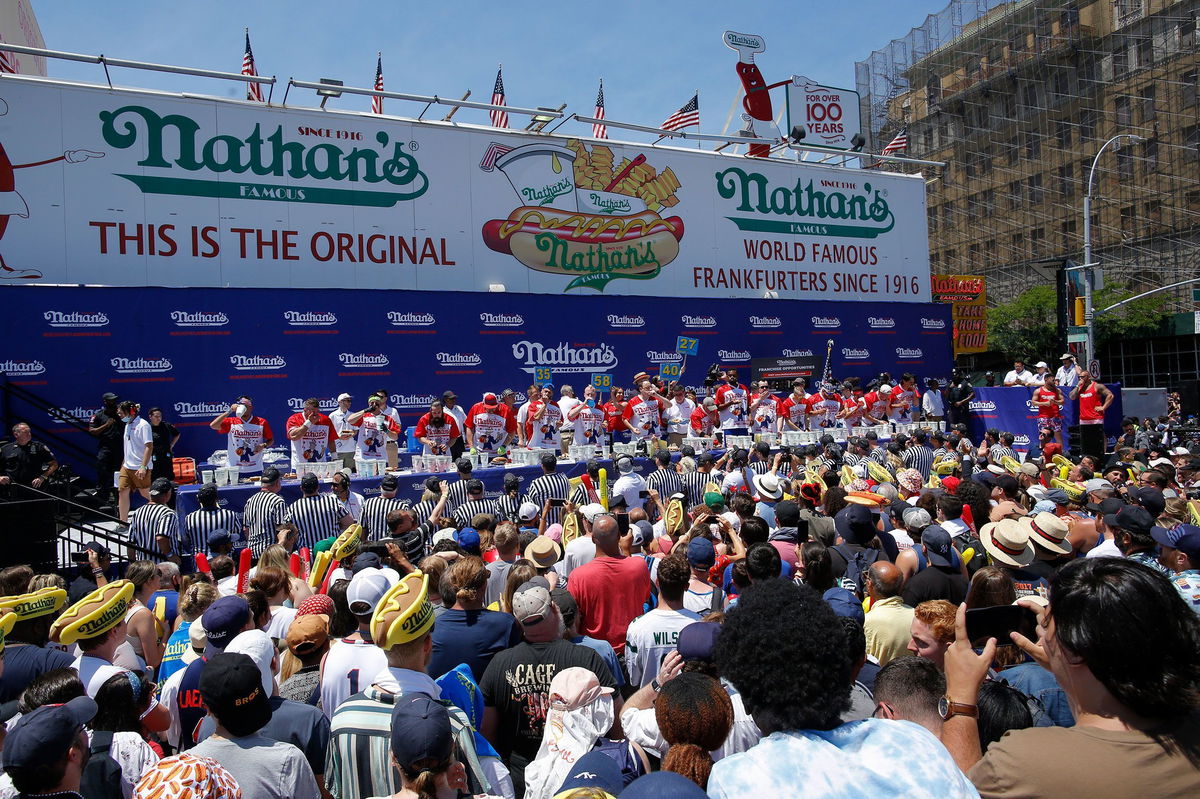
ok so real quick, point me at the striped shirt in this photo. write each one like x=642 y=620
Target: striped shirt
x=879 y=455
x=555 y=485
x=693 y=485
x=507 y=507
x=263 y=511
x=421 y=510
x=456 y=494
x=666 y=482
x=359 y=759
x=760 y=467
x=150 y=521
x=998 y=451
x=201 y=523
x=469 y=509
x=919 y=457
x=374 y=516
x=316 y=517
x=853 y=459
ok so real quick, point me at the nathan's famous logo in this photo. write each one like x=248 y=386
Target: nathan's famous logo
x=815 y=208
x=584 y=216
x=981 y=405
x=174 y=141
x=201 y=410
x=881 y=323
x=564 y=358
x=412 y=400
x=908 y=353
x=326 y=405
x=75 y=318
x=15 y=368
x=852 y=354
x=733 y=355
x=199 y=319
x=787 y=353
x=625 y=320
x=140 y=365
x=410 y=319
x=362 y=360
x=310 y=318
x=103 y=621
x=662 y=356
x=698 y=321
x=933 y=324
x=501 y=319
x=1021 y=440
x=826 y=322
x=765 y=321
x=78 y=412
x=257 y=362
x=459 y=359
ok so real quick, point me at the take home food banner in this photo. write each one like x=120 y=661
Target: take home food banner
x=136 y=188
x=193 y=351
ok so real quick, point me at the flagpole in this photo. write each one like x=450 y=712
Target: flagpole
x=698 y=143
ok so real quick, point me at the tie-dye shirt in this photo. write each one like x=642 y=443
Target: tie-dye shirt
x=1187 y=583
x=875 y=757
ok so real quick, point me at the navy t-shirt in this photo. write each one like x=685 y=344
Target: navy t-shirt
x=24 y=662
x=472 y=637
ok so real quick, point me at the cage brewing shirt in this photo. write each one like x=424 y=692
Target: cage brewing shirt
x=242 y=438
x=316 y=441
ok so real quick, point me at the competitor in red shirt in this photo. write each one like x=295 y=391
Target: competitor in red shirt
x=793 y=411
x=643 y=416
x=853 y=407
x=1048 y=399
x=312 y=434
x=1094 y=400
x=543 y=420
x=437 y=430
x=705 y=420
x=489 y=426
x=246 y=435
x=876 y=403
x=826 y=406
x=906 y=400
x=614 y=415
x=731 y=400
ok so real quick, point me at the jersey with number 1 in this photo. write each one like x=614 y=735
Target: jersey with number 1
x=351 y=666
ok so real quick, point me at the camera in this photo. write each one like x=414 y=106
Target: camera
x=786 y=451
x=79 y=557
x=713 y=375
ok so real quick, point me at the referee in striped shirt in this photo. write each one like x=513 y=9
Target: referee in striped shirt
x=476 y=503
x=211 y=518
x=458 y=489
x=317 y=516
x=263 y=511
x=376 y=509
x=422 y=511
x=155 y=526
x=919 y=455
x=694 y=481
x=997 y=452
x=665 y=480
x=551 y=485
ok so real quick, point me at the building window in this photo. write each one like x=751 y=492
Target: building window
x=1128 y=220
x=1154 y=213
x=1018 y=246
x=933 y=90
x=951 y=259
x=1145 y=53
x=973 y=252
x=1149 y=112
x=1033 y=145
x=933 y=221
x=987 y=201
x=1087 y=125
x=973 y=208
x=1150 y=156
x=1125 y=163
x=1066 y=180
x=1036 y=196
x=1068 y=18
x=948 y=215
x=1067 y=229
x=1191 y=142
x=1015 y=195
x=1120 y=59
x=1127 y=11
x=1187 y=33
x=1123 y=117
x=1188 y=88
x=1064 y=135
x=1037 y=238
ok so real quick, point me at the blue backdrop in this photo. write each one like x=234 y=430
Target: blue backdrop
x=1011 y=409
x=193 y=351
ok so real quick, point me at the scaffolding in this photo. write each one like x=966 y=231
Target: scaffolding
x=1017 y=98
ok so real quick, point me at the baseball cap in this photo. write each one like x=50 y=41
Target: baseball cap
x=270 y=475
x=855 y=525
x=367 y=588
x=207 y=493
x=343 y=396
x=1041 y=365
x=231 y=686
x=916 y=518
x=663 y=785
x=643 y=532
x=595 y=770
x=1131 y=518
x=698 y=640
x=590 y=511
x=1105 y=506
x=474 y=486
x=844 y=603
x=490 y=399
x=1185 y=538
x=568 y=608
x=468 y=539
x=256 y=645
x=309 y=482
x=1030 y=469
x=108 y=396
x=97 y=547
x=575 y=687
x=936 y=541
x=449 y=395
x=700 y=552
x=389 y=483
x=1057 y=496
x=421 y=731
x=365 y=560
x=1151 y=499
x=528 y=511
x=224 y=619
x=161 y=486
x=405 y=613
x=548 y=459
x=531 y=603
x=198 y=640
x=45 y=734
x=1098 y=484
x=219 y=538
x=318 y=604
x=308 y=634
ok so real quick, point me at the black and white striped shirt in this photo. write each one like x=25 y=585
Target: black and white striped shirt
x=666 y=482
x=201 y=523
x=880 y=455
x=549 y=486
x=456 y=494
x=467 y=511
x=853 y=459
x=150 y=521
x=316 y=517
x=919 y=457
x=998 y=451
x=507 y=507
x=760 y=467
x=374 y=516
x=693 y=485
x=263 y=511
x=421 y=510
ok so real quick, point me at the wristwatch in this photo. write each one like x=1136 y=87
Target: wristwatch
x=655 y=686
x=947 y=709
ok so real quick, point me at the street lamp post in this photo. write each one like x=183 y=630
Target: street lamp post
x=1089 y=274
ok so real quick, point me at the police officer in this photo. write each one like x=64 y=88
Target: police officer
x=105 y=429
x=24 y=460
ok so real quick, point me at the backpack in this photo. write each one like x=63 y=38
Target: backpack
x=856 y=566
x=101 y=775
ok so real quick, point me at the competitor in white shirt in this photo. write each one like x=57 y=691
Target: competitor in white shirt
x=344 y=447
x=588 y=419
x=732 y=399
x=678 y=414
x=311 y=433
x=1019 y=376
x=375 y=429
x=246 y=435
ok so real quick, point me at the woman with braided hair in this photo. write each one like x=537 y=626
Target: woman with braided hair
x=694 y=714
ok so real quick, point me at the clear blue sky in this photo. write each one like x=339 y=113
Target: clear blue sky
x=652 y=55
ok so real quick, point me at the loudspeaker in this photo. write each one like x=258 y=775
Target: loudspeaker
x=1189 y=397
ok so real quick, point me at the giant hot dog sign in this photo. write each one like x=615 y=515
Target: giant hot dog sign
x=132 y=188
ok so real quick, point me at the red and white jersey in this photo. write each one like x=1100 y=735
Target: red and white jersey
x=242 y=438
x=589 y=427
x=318 y=439
x=490 y=425
x=795 y=410
x=904 y=402
x=855 y=408
x=1052 y=410
x=703 y=422
x=542 y=431
x=614 y=415
x=735 y=414
x=646 y=416
x=765 y=414
x=877 y=405
x=372 y=439
x=824 y=410
x=439 y=436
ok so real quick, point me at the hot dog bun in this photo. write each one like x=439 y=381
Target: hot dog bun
x=95 y=614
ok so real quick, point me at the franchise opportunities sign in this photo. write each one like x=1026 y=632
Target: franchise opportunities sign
x=145 y=189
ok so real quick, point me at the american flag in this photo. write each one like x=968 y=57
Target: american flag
x=898 y=144
x=499 y=118
x=6 y=64
x=253 y=90
x=377 y=102
x=685 y=117
x=600 y=131
x=494 y=151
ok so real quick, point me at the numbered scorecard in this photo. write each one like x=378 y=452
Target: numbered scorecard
x=687 y=346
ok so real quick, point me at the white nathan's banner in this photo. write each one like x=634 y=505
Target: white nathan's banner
x=135 y=188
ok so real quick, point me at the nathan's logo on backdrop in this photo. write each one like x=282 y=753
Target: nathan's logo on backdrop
x=826 y=322
x=981 y=405
x=200 y=410
x=881 y=323
x=501 y=319
x=362 y=360
x=564 y=358
x=78 y=412
x=412 y=400
x=310 y=318
x=615 y=320
x=797 y=353
x=765 y=321
x=459 y=359
x=909 y=353
x=932 y=324
x=852 y=354
x=584 y=213
x=174 y=142
x=1021 y=440
x=814 y=209
x=199 y=319
x=135 y=366
x=297 y=404
x=75 y=318
x=698 y=321
x=409 y=319
x=257 y=363
x=661 y=356
x=733 y=355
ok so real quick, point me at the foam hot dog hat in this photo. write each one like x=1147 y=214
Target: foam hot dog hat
x=404 y=614
x=95 y=614
x=7 y=622
x=348 y=542
x=34 y=604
